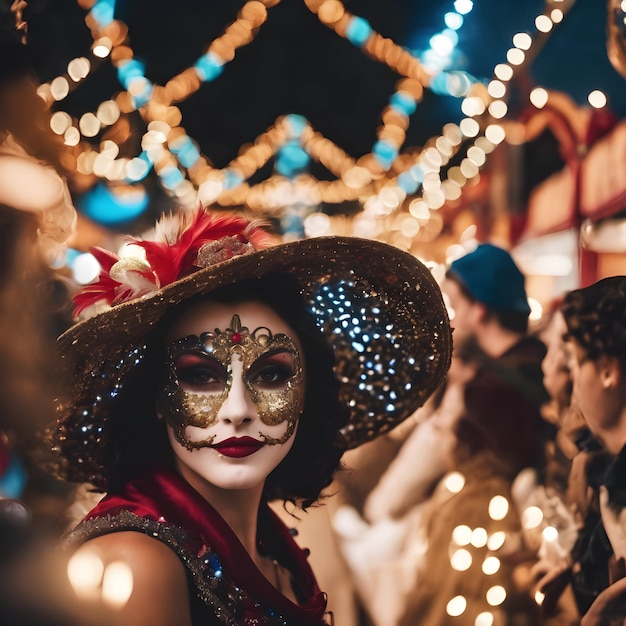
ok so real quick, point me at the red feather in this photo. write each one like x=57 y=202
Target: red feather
x=173 y=261
x=168 y=260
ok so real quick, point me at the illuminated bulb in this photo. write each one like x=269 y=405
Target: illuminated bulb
x=331 y=11
x=356 y=177
x=434 y=198
x=461 y=560
x=451 y=190
x=108 y=112
x=59 y=88
x=491 y=565
x=477 y=155
x=463 y=7
x=498 y=109
x=495 y=133
x=484 y=619
x=453 y=20
x=453 y=134
x=454 y=482
x=496 y=89
x=102 y=165
x=441 y=45
x=472 y=106
x=391 y=197
x=136 y=169
x=496 y=541
x=102 y=47
x=468 y=168
x=419 y=209
x=317 y=225
x=85 y=567
x=60 y=122
x=85 y=268
x=78 y=68
x=539 y=597
x=116 y=170
x=456 y=606
x=117 y=584
x=210 y=191
x=444 y=146
x=479 y=537
x=523 y=41
x=469 y=127
x=597 y=99
x=432 y=157
x=515 y=56
x=543 y=23
x=431 y=181
x=496 y=595
x=109 y=149
x=550 y=533
x=89 y=125
x=503 y=71
x=539 y=97
x=498 y=507
x=71 y=137
x=456 y=175
x=485 y=145
x=556 y=15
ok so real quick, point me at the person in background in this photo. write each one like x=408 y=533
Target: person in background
x=596 y=318
x=215 y=373
x=487 y=294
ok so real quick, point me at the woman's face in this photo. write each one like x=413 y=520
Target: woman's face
x=234 y=392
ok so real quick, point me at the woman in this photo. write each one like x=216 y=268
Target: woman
x=218 y=375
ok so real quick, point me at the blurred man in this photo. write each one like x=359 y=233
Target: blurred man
x=490 y=316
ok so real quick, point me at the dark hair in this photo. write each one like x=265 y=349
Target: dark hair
x=596 y=318
x=515 y=321
x=138 y=439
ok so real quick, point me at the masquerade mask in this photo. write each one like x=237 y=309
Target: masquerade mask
x=200 y=377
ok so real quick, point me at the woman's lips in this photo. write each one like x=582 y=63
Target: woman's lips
x=238 y=447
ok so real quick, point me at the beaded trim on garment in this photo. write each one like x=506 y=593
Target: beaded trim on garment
x=215 y=590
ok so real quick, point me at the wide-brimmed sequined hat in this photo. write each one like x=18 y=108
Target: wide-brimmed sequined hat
x=380 y=307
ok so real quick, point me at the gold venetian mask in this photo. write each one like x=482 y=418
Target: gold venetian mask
x=200 y=377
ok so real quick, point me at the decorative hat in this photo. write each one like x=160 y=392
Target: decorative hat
x=491 y=276
x=379 y=306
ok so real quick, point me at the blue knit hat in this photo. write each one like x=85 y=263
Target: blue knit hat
x=491 y=276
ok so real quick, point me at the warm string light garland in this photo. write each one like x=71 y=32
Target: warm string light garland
x=381 y=180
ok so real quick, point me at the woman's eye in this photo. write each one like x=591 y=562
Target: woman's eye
x=197 y=372
x=271 y=375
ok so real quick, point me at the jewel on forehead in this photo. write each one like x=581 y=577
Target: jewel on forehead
x=235 y=328
x=235 y=337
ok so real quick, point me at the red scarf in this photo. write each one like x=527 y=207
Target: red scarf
x=162 y=500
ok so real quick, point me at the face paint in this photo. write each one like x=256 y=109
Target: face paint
x=200 y=377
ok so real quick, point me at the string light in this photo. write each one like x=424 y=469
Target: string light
x=380 y=180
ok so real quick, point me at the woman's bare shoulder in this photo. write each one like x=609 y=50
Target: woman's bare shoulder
x=157 y=593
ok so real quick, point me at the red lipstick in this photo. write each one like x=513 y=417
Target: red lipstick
x=238 y=447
